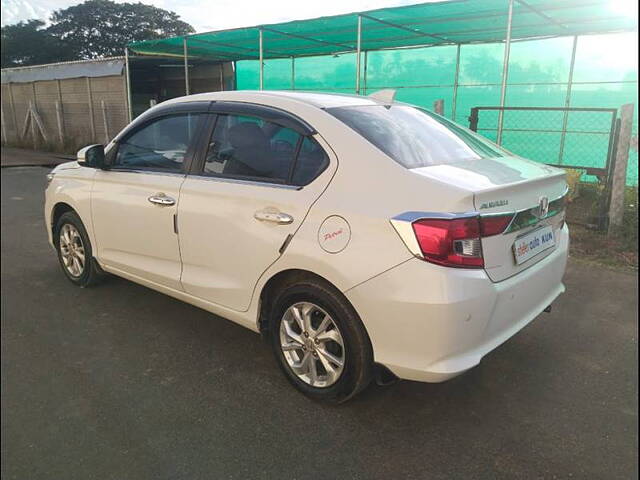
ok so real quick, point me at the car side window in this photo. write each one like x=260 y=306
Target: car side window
x=311 y=161
x=159 y=146
x=249 y=147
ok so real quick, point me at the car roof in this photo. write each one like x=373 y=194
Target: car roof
x=320 y=100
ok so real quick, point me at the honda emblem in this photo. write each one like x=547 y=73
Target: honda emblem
x=543 y=208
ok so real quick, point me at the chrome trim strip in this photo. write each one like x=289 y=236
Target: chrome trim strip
x=245 y=182
x=404 y=229
x=566 y=191
x=402 y=223
x=148 y=172
x=413 y=216
x=209 y=177
x=512 y=227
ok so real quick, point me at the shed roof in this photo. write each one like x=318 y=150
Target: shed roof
x=424 y=24
x=101 y=67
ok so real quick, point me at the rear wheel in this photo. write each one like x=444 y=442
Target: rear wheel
x=320 y=342
x=74 y=251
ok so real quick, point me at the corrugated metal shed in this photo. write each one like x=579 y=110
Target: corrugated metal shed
x=59 y=71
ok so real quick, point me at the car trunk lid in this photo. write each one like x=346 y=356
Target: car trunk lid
x=511 y=185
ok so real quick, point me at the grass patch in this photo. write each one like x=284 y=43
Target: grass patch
x=619 y=248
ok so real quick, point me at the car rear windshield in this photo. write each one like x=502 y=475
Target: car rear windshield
x=415 y=138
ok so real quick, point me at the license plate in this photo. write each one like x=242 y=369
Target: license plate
x=531 y=244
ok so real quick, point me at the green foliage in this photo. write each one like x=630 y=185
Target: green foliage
x=99 y=28
x=573 y=182
x=28 y=43
x=93 y=29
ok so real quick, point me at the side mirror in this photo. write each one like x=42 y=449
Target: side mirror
x=92 y=156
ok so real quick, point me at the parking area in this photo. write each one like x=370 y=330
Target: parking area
x=119 y=381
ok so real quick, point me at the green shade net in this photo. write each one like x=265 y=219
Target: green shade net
x=437 y=23
x=318 y=55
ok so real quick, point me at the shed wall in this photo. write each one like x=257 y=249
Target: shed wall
x=84 y=104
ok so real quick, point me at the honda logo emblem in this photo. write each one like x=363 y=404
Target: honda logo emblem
x=543 y=208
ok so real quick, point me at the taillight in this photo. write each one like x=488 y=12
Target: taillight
x=456 y=242
x=494 y=224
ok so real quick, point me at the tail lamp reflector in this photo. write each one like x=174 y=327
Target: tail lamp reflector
x=456 y=242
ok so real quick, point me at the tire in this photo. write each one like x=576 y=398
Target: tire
x=70 y=231
x=335 y=384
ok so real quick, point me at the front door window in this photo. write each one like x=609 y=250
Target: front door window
x=159 y=146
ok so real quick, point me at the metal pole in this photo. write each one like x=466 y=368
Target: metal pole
x=4 y=125
x=33 y=124
x=261 y=63
x=567 y=101
x=105 y=121
x=235 y=75
x=505 y=72
x=91 y=116
x=293 y=73
x=438 y=106
x=59 y=113
x=364 y=76
x=128 y=84
x=221 y=65
x=358 y=48
x=13 y=111
x=59 y=122
x=185 y=54
x=32 y=108
x=455 y=85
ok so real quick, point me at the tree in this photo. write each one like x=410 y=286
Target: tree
x=28 y=43
x=98 y=28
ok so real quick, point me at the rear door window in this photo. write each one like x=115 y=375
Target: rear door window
x=248 y=147
x=312 y=160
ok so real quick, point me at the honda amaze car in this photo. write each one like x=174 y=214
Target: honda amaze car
x=362 y=237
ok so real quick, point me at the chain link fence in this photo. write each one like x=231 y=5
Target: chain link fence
x=580 y=140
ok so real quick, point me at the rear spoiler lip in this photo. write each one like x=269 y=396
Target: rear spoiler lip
x=528 y=181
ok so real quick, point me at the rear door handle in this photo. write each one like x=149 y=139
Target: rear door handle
x=162 y=200
x=273 y=217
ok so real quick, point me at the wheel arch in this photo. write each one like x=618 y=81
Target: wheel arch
x=282 y=279
x=59 y=209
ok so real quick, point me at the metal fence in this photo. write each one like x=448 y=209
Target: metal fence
x=583 y=140
x=579 y=138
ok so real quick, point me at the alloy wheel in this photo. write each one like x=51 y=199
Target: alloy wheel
x=312 y=344
x=72 y=250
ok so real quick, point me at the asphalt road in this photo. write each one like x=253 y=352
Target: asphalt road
x=121 y=382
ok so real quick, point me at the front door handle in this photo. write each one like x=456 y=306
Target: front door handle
x=162 y=200
x=273 y=217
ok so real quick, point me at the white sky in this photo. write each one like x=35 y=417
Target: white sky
x=206 y=15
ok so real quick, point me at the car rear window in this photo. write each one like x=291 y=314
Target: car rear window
x=415 y=138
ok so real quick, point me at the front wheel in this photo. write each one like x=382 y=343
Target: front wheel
x=320 y=342
x=74 y=251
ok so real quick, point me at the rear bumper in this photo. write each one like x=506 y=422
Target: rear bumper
x=430 y=323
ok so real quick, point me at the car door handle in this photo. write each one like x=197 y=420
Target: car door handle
x=273 y=217
x=162 y=199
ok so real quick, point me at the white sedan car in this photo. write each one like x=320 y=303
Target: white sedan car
x=362 y=237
